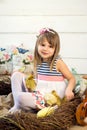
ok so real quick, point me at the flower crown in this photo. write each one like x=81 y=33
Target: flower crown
x=45 y=30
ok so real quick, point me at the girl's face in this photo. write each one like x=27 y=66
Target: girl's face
x=45 y=50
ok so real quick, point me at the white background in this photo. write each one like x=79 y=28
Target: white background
x=20 y=21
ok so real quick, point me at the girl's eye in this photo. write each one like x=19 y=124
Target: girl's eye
x=50 y=46
x=42 y=45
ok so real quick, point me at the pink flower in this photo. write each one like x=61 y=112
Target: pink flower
x=30 y=57
x=7 y=57
x=44 y=30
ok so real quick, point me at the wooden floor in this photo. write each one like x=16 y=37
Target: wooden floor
x=78 y=128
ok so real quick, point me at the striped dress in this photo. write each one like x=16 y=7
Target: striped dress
x=50 y=80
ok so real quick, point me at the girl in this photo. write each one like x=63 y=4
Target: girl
x=50 y=71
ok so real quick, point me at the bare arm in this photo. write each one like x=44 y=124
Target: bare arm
x=62 y=67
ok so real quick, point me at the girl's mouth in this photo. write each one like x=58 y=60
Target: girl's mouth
x=45 y=53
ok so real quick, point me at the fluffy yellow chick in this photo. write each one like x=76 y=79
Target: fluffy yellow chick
x=52 y=98
x=30 y=83
x=46 y=111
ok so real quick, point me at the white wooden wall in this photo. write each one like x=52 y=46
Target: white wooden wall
x=20 y=21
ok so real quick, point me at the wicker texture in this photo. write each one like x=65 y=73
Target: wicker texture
x=62 y=119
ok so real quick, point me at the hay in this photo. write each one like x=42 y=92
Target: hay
x=62 y=119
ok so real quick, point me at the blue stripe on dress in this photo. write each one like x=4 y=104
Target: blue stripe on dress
x=44 y=69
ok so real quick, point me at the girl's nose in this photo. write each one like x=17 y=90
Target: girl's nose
x=46 y=48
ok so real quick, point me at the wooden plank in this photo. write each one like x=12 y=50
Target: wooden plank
x=17 y=39
x=73 y=45
x=80 y=65
x=31 y=24
x=77 y=60
x=43 y=7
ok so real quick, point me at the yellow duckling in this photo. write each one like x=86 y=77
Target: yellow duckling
x=46 y=111
x=52 y=98
x=30 y=82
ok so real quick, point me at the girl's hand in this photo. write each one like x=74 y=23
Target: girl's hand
x=69 y=94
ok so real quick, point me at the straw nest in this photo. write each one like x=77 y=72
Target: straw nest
x=62 y=119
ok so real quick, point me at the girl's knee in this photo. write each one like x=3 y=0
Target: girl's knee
x=17 y=75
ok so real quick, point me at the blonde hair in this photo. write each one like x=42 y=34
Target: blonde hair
x=53 y=38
